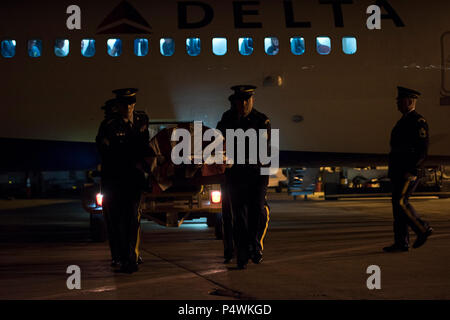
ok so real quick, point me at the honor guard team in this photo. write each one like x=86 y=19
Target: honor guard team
x=123 y=143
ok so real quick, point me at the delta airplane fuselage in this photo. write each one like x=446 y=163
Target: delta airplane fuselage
x=337 y=102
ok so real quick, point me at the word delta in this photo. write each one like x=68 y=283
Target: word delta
x=213 y=153
x=243 y=11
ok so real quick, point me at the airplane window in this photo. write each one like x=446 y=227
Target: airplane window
x=8 y=48
x=298 y=46
x=61 y=47
x=193 y=46
x=34 y=48
x=167 y=47
x=219 y=46
x=271 y=46
x=245 y=46
x=323 y=45
x=349 y=45
x=88 y=47
x=114 y=47
x=141 y=47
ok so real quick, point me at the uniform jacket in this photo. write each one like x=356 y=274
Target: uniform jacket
x=122 y=146
x=409 y=145
x=254 y=120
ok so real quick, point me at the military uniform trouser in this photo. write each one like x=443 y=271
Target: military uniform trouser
x=250 y=214
x=227 y=224
x=404 y=213
x=122 y=215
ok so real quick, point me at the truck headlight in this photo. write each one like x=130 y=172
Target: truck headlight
x=99 y=199
x=216 y=197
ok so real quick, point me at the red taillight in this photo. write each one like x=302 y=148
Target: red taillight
x=216 y=196
x=99 y=199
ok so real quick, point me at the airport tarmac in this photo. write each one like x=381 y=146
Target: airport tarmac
x=313 y=250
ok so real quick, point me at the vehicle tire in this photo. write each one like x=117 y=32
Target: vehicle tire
x=218 y=231
x=330 y=189
x=211 y=220
x=98 y=228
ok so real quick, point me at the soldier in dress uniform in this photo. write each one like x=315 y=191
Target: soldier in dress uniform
x=409 y=148
x=123 y=143
x=111 y=108
x=245 y=187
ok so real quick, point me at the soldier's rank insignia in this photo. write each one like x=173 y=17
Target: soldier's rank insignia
x=423 y=133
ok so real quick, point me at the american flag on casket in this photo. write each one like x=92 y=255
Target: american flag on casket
x=165 y=174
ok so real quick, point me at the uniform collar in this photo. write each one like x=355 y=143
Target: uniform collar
x=410 y=113
x=251 y=114
x=127 y=123
x=233 y=109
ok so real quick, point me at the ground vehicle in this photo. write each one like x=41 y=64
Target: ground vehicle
x=169 y=209
x=278 y=180
x=373 y=182
x=182 y=198
x=358 y=182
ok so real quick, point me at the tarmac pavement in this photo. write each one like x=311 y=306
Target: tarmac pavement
x=313 y=250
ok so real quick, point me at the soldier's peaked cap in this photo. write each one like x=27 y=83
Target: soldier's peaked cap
x=243 y=91
x=407 y=93
x=126 y=94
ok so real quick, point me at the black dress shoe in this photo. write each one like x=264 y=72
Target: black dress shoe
x=242 y=257
x=396 y=248
x=257 y=257
x=227 y=259
x=129 y=268
x=115 y=263
x=421 y=239
x=140 y=260
x=228 y=255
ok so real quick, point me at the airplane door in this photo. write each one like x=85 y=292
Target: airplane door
x=445 y=89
